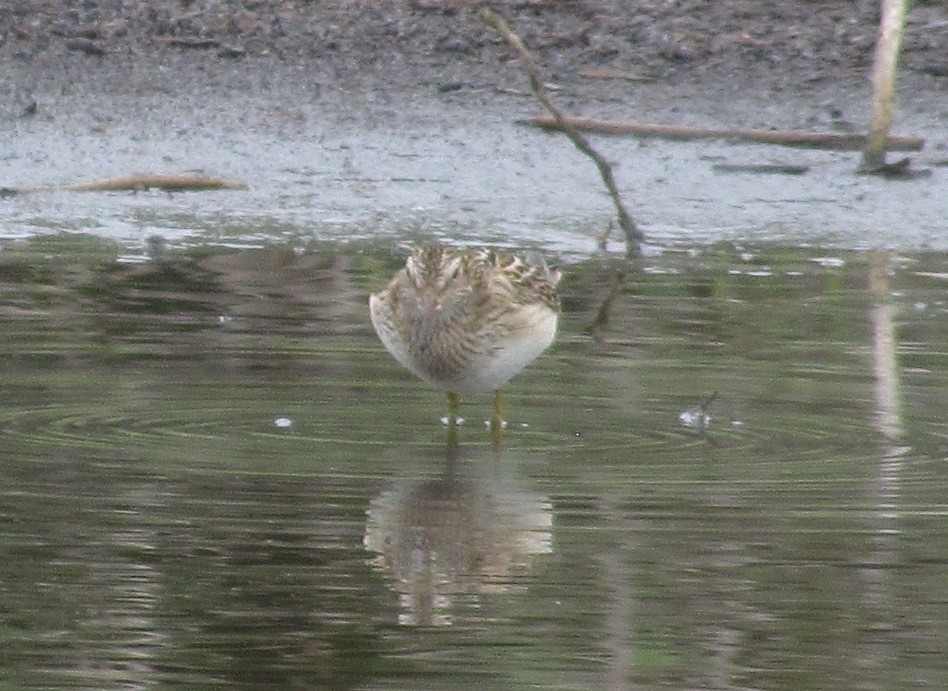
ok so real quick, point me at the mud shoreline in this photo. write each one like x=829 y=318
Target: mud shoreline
x=412 y=105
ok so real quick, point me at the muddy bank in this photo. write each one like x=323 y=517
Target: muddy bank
x=794 y=42
x=356 y=119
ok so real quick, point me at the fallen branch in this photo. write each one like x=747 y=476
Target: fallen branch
x=808 y=140
x=137 y=183
x=760 y=168
x=633 y=236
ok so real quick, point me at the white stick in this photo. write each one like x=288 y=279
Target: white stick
x=885 y=64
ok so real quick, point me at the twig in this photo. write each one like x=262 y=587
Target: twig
x=614 y=74
x=633 y=236
x=812 y=140
x=760 y=168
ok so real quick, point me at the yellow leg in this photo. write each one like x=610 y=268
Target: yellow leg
x=497 y=419
x=454 y=408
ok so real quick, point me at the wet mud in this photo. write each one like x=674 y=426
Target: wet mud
x=355 y=118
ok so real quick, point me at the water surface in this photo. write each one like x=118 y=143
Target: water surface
x=728 y=472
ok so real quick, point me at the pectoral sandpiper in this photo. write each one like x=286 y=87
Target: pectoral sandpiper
x=466 y=321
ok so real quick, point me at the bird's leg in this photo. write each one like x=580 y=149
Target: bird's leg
x=454 y=409
x=497 y=419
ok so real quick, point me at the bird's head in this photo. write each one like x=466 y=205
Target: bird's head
x=438 y=276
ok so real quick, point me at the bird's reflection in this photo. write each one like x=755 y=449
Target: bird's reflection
x=460 y=536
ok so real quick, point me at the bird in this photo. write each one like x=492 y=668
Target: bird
x=467 y=320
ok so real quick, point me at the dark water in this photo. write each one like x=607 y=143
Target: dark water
x=729 y=472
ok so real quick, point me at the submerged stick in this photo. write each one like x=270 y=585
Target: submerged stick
x=137 y=183
x=884 y=68
x=633 y=236
x=811 y=140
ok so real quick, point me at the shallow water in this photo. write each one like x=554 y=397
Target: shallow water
x=728 y=472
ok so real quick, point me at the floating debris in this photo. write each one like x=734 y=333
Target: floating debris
x=696 y=418
x=829 y=262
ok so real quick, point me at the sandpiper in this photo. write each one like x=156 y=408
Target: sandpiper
x=466 y=321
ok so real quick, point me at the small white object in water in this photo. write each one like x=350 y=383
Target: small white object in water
x=283 y=422
x=503 y=424
x=829 y=262
x=225 y=319
x=695 y=418
x=458 y=421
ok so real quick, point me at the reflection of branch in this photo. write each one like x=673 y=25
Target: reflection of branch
x=884 y=522
x=633 y=236
x=601 y=320
x=885 y=365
